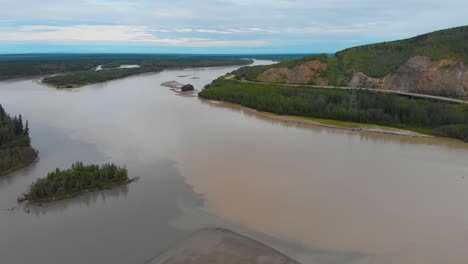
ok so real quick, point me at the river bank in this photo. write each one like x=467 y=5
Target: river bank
x=80 y=79
x=367 y=107
x=19 y=166
x=76 y=194
x=309 y=121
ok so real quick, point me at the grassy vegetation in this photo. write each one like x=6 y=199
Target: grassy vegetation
x=345 y=124
x=436 y=118
x=15 y=144
x=249 y=72
x=293 y=63
x=454 y=131
x=61 y=184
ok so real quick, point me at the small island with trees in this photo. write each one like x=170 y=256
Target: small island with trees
x=187 y=87
x=15 y=145
x=80 y=178
x=82 y=78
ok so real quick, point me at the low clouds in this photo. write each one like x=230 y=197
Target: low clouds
x=112 y=34
x=269 y=26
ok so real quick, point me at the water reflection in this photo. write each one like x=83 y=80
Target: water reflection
x=86 y=199
x=134 y=218
x=363 y=135
x=195 y=219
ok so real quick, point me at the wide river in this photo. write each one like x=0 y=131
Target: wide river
x=320 y=195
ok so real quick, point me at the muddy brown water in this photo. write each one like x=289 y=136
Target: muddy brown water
x=317 y=194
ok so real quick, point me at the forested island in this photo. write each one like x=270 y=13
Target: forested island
x=80 y=178
x=78 y=79
x=420 y=115
x=187 y=87
x=15 y=143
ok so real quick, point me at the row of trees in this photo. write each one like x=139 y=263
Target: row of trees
x=11 y=128
x=79 y=178
x=15 y=143
x=373 y=107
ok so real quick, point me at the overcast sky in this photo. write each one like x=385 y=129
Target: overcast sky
x=217 y=26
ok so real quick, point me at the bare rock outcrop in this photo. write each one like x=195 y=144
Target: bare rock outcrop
x=421 y=74
x=310 y=72
x=359 y=79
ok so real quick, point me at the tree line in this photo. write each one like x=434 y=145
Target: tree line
x=437 y=118
x=15 y=143
x=12 y=66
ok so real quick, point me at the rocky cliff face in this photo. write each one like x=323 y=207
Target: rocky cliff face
x=310 y=72
x=418 y=74
x=421 y=74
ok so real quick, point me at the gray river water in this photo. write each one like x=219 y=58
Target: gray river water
x=320 y=195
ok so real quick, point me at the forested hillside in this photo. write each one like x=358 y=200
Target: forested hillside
x=434 y=63
x=378 y=60
x=15 y=144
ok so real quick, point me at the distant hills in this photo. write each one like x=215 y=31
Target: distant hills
x=432 y=63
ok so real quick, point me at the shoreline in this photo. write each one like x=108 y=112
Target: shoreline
x=216 y=245
x=76 y=194
x=310 y=121
x=74 y=85
x=19 y=166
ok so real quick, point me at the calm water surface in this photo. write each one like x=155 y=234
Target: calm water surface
x=320 y=195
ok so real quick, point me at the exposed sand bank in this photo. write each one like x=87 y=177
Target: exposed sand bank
x=221 y=246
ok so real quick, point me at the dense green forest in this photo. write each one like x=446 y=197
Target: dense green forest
x=437 y=118
x=60 y=184
x=15 y=144
x=82 y=78
x=378 y=60
x=12 y=66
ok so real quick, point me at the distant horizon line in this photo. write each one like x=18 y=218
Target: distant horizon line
x=159 y=53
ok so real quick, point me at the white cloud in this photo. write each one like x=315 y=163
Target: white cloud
x=213 y=31
x=184 y=30
x=288 y=23
x=112 y=34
